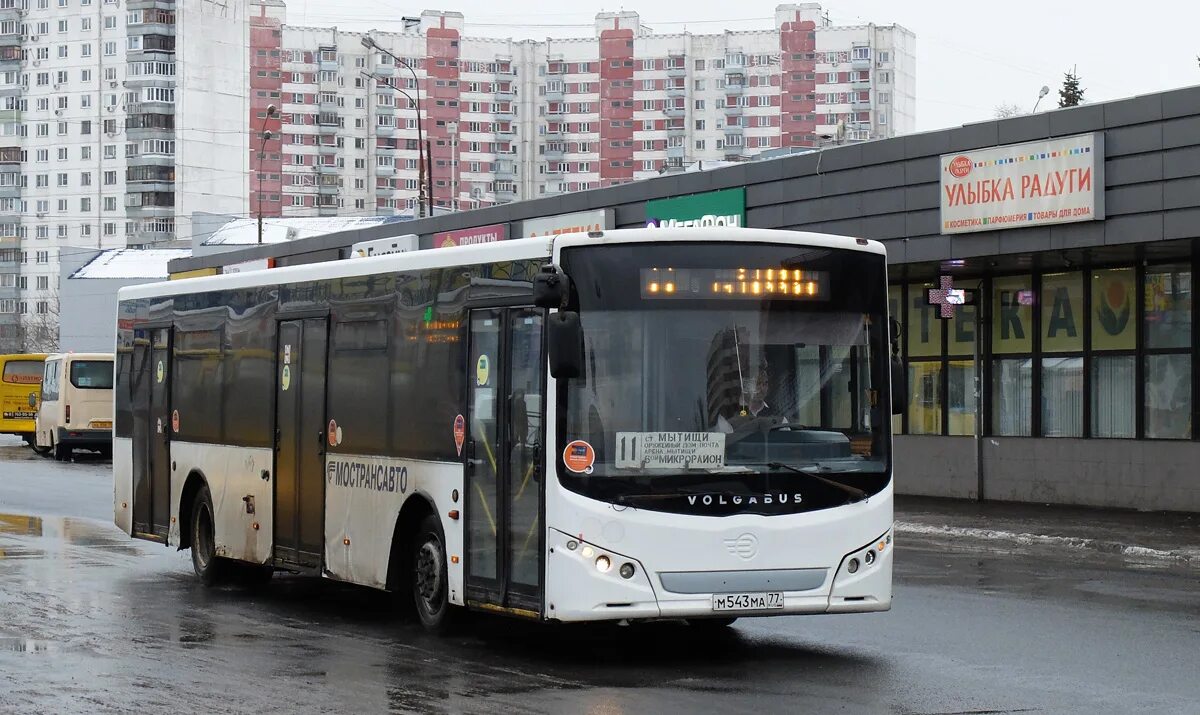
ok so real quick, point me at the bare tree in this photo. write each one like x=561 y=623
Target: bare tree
x=1004 y=111
x=39 y=332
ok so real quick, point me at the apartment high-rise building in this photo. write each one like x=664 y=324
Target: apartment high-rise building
x=118 y=119
x=507 y=120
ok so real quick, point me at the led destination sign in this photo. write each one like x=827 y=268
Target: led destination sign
x=792 y=283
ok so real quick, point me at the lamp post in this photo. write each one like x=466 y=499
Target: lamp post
x=421 y=188
x=422 y=149
x=1041 y=94
x=262 y=153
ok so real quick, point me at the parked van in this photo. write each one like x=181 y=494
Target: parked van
x=77 y=404
x=20 y=385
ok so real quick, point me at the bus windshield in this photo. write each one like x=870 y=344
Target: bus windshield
x=735 y=370
x=92 y=374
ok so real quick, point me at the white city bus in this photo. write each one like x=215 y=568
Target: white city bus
x=682 y=423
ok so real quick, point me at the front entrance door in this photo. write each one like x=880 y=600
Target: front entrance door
x=504 y=460
x=300 y=440
x=152 y=433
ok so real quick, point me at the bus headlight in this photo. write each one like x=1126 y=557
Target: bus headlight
x=626 y=570
x=869 y=557
x=603 y=563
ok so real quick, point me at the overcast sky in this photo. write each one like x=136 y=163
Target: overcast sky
x=972 y=55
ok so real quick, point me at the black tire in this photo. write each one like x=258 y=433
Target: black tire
x=211 y=569
x=62 y=452
x=43 y=451
x=711 y=624
x=429 y=576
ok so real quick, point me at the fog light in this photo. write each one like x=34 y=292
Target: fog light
x=852 y=567
x=626 y=570
x=572 y=545
x=869 y=557
x=603 y=564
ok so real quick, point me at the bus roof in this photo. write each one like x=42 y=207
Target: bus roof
x=81 y=356
x=511 y=250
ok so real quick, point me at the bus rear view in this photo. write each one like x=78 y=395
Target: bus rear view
x=724 y=449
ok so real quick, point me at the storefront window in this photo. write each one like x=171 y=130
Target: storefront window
x=1012 y=315
x=924 y=327
x=925 y=398
x=895 y=312
x=1169 y=396
x=961 y=397
x=1062 y=396
x=1012 y=393
x=1061 y=304
x=1114 y=396
x=1169 y=306
x=1114 y=325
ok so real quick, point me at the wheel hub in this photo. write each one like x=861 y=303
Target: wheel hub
x=429 y=572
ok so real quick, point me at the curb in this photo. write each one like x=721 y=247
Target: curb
x=1182 y=558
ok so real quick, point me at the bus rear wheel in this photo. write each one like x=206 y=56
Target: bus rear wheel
x=62 y=452
x=429 y=579
x=210 y=568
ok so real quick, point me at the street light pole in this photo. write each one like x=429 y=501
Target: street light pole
x=422 y=147
x=1044 y=91
x=420 y=154
x=452 y=130
x=262 y=152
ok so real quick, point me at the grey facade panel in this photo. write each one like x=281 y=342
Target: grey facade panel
x=1181 y=193
x=885 y=201
x=1181 y=224
x=1181 y=132
x=766 y=193
x=1133 y=140
x=977 y=244
x=927 y=144
x=1137 y=110
x=935 y=466
x=883 y=227
x=1084 y=234
x=801 y=188
x=883 y=152
x=930 y=248
x=1030 y=127
x=1076 y=120
x=881 y=177
x=1136 y=169
x=1181 y=162
x=768 y=217
x=1136 y=228
x=1136 y=198
x=923 y=171
x=973 y=136
x=1181 y=102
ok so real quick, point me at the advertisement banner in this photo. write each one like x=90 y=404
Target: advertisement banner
x=1032 y=184
x=471 y=236
x=715 y=208
x=580 y=222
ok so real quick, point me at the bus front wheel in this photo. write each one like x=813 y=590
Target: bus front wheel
x=429 y=579
x=209 y=567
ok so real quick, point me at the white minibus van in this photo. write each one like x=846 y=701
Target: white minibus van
x=76 y=411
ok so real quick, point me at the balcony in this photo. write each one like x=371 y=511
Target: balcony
x=551 y=151
x=861 y=63
x=385 y=130
x=384 y=191
x=554 y=95
x=325 y=210
x=733 y=128
x=734 y=110
x=504 y=112
x=860 y=84
x=675 y=152
x=325 y=189
x=328 y=149
x=675 y=111
x=677 y=90
x=385 y=169
x=505 y=95
x=737 y=87
x=505 y=171
x=504 y=196
x=328 y=129
x=327 y=169
x=382 y=70
x=679 y=70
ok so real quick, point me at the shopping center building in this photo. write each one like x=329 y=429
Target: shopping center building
x=1072 y=236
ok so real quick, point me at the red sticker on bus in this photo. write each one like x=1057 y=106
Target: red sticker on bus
x=578 y=456
x=460 y=432
x=175 y=421
x=332 y=437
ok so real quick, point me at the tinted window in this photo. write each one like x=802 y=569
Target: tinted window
x=50 y=381
x=197 y=371
x=23 y=372
x=92 y=374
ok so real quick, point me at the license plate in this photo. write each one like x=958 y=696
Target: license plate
x=102 y=424
x=747 y=601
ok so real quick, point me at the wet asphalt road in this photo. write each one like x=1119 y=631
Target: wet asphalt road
x=93 y=622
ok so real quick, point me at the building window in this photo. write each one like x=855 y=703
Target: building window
x=1114 y=328
x=1012 y=346
x=1168 y=364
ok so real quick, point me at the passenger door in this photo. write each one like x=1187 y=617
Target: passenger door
x=300 y=442
x=151 y=432
x=504 y=485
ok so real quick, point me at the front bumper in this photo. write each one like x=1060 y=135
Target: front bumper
x=577 y=590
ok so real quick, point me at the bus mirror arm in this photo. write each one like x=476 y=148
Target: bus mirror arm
x=899 y=375
x=564 y=338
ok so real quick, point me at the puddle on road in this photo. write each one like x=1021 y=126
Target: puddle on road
x=23 y=645
x=73 y=531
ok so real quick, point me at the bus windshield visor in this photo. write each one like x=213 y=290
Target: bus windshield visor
x=741 y=367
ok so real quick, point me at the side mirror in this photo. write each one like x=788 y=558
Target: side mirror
x=551 y=289
x=899 y=386
x=564 y=344
x=33 y=399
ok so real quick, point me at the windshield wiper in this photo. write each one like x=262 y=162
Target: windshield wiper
x=855 y=492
